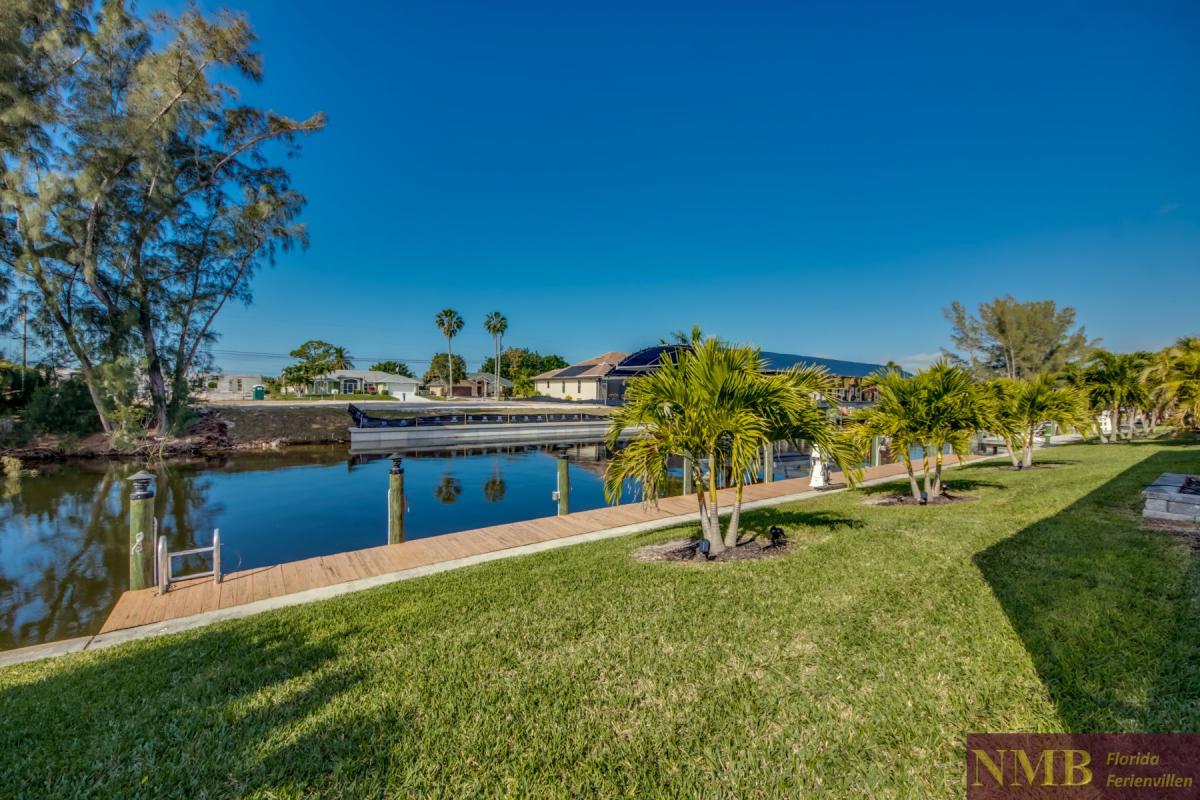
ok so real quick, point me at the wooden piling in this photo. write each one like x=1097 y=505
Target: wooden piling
x=141 y=531
x=396 y=500
x=564 y=485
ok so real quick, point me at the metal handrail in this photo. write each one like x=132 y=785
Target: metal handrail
x=163 y=571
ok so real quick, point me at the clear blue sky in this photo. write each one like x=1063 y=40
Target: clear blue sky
x=812 y=179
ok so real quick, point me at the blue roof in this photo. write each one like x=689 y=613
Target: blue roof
x=777 y=362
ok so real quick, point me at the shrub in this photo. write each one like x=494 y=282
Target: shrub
x=17 y=385
x=63 y=408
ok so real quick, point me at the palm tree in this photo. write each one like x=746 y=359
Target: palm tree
x=496 y=325
x=1030 y=403
x=340 y=358
x=449 y=322
x=1173 y=378
x=939 y=406
x=955 y=407
x=1114 y=382
x=712 y=404
x=898 y=415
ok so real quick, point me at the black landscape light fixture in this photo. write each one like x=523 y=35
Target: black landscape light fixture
x=702 y=547
x=777 y=536
x=924 y=498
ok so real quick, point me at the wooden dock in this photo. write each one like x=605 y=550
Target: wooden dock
x=187 y=598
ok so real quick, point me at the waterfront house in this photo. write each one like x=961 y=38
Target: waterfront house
x=582 y=381
x=474 y=384
x=848 y=376
x=364 y=381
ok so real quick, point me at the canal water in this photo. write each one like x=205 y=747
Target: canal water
x=64 y=552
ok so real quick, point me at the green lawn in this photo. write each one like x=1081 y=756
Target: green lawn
x=852 y=668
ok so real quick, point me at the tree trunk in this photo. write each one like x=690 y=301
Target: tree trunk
x=449 y=369
x=912 y=478
x=154 y=370
x=705 y=523
x=716 y=545
x=498 y=340
x=735 y=518
x=1014 y=452
x=926 y=476
x=937 y=475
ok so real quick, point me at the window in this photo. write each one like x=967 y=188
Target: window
x=564 y=387
x=578 y=387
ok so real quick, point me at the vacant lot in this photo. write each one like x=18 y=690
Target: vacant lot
x=853 y=667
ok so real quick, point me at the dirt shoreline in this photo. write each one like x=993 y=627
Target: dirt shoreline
x=230 y=428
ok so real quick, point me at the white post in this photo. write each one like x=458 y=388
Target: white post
x=216 y=555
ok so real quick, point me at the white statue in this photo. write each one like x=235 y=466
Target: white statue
x=819 y=477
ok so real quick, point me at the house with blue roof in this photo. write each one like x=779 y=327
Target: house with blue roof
x=848 y=375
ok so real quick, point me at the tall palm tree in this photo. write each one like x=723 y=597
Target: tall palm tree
x=496 y=325
x=449 y=322
x=340 y=358
x=1114 y=382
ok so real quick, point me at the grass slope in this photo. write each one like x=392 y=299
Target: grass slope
x=852 y=668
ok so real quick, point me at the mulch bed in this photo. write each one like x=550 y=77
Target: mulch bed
x=907 y=500
x=685 y=550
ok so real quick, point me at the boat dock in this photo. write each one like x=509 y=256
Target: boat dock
x=378 y=565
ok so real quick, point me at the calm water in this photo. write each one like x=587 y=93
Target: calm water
x=64 y=534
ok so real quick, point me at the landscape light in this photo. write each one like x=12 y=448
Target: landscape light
x=777 y=536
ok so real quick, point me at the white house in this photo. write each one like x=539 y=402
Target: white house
x=226 y=386
x=582 y=381
x=365 y=381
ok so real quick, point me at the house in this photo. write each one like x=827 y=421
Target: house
x=226 y=386
x=475 y=384
x=582 y=381
x=848 y=376
x=365 y=381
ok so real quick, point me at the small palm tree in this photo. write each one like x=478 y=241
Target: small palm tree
x=898 y=416
x=449 y=322
x=1027 y=404
x=712 y=404
x=1114 y=382
x=496 y=325
x=1174 y=381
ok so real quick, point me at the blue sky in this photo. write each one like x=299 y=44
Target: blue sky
x=812 y=179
